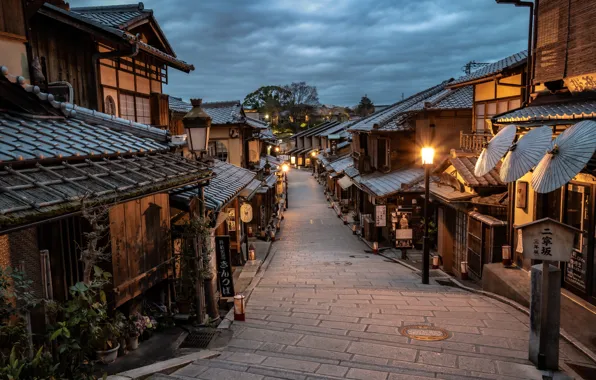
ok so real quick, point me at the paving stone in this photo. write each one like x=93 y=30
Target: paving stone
x=518 y=370
x=369 y=360
x=476 y=364
x=384 y=351
x=244 y=357
x=332 y=370
x=437 y=358
x=298 y=365
x=324 y=343
x=317 y=353
x=343 y=325
x=264 y=335
x=191 y=370
x=400 y=376
x=366 y=374
x=224 y=374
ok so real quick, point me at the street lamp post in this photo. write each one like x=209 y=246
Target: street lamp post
x=428 y=154
x=285 y=168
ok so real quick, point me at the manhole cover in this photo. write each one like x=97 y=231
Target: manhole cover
x=424 y=332
x=198 y=338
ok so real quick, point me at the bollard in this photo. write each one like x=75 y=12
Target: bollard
x=239 y=308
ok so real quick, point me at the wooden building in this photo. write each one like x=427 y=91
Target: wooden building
x=386 y=150
x=59 y=163
x=113 y=59
x=562 y=93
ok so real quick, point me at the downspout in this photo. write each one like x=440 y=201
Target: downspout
x=134 y=50
x=531 y=38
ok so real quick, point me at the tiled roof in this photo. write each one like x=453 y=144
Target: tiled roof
x=385 y=184
x=117 y=16
x=30 y=138
x=493 y=69
x=336 y=129
x=571 y=111
x=257 y=123
x=382 y=118
x=318 y=128
x=114 y=24
x=447 y=99
x=341 y=164
x=179 y=105
x=325 y=127
x=89 y=116
x=465 y=168
x=449 y=194
x=29 y=195
x=495 y=200
x=229 y=112
x=351 y=171
x=229 y=180
x=323 y=159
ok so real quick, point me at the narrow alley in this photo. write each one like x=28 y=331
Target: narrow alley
x=324 y=308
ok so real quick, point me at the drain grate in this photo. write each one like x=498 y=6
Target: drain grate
x=198 y=338
x=424 y=333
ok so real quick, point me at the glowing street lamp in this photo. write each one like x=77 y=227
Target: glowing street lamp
x=266 y=116
x=277 y=149
x=428 y=155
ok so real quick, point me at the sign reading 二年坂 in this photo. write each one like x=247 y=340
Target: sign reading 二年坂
x=246 y=213
x=224 y=266
x=547 y=240
x=381 y=216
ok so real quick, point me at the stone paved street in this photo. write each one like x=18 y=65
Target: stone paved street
x=326 y=309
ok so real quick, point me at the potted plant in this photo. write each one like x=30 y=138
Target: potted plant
x=150 y=326
x=121 y=325
x=105 y=340
x=136 y=327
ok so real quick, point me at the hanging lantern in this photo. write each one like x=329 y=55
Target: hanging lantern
x=464 y=270
x=239 y=306
x=197 y=125
x=375 y=247
x=435 y=262
x=506 y=253
x=249 y=231
x=251 y=253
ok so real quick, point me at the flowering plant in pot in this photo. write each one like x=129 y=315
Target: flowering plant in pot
x=104 y=338
x=135 y=328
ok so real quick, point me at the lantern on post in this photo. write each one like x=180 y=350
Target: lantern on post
x=239 y=308
x=436 y=262
x=197 y=125
x=375 y=247
x=506 y=253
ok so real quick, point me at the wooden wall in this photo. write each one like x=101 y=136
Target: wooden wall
x=139 y=232
x=12 y=20
x=69 y=57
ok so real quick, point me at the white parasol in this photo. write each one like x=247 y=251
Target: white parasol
x=568 y=155
x=494 y=150
x=526 y=153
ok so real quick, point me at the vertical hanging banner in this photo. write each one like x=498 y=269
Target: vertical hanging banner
x=224 y=266
x=381 y=216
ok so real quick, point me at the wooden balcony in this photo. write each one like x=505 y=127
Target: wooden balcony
x=473 y=142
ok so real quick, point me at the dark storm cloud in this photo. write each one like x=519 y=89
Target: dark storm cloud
x=345 y=47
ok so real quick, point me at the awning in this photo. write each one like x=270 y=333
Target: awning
x=345 y=182
x=270 y=181
x=249 y=191
x=487 y=219
x=333 y=175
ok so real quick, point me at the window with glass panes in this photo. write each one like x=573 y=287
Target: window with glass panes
x=135 y=108
x=484 y=111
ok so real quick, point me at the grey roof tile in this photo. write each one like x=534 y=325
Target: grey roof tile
x=570 y=111
x=465 y=167
x=32 y=194
x=118 y=16
x=227 y=112
x=228 y=181
x=382 y=118
x=385 y=184
x=29 y=138
x=510 y=62
x=352 y=172
x=341 y=164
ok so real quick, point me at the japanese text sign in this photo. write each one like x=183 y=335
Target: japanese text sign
x=547 y=240
x=224 y=266
x=381 y=216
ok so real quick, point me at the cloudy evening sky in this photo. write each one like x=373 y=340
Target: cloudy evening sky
x=344 y=47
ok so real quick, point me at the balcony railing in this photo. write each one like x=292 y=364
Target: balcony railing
x=473 y=142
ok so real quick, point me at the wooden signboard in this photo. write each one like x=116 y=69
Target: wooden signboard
x=224 y=266
x=381 y=216
x=547 y=239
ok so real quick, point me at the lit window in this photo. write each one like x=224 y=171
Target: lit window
x=127 y=107
x=218 y=150
x=110 y=105
x=143 y=110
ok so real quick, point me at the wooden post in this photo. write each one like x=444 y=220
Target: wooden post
x=543 y=316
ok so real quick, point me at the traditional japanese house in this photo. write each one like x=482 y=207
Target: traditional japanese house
x=113 y=59
x=233 y=138
x=562 y=93
x=471 y=214
x=386 y=149
x=62 y=162
x=301 y=154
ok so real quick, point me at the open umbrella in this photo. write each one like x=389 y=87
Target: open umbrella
x=494 y=150
x=568 y=155
x=526 y=153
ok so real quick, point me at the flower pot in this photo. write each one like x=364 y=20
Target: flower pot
x=123 y=349
x=108 y=356
x=132 y=343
